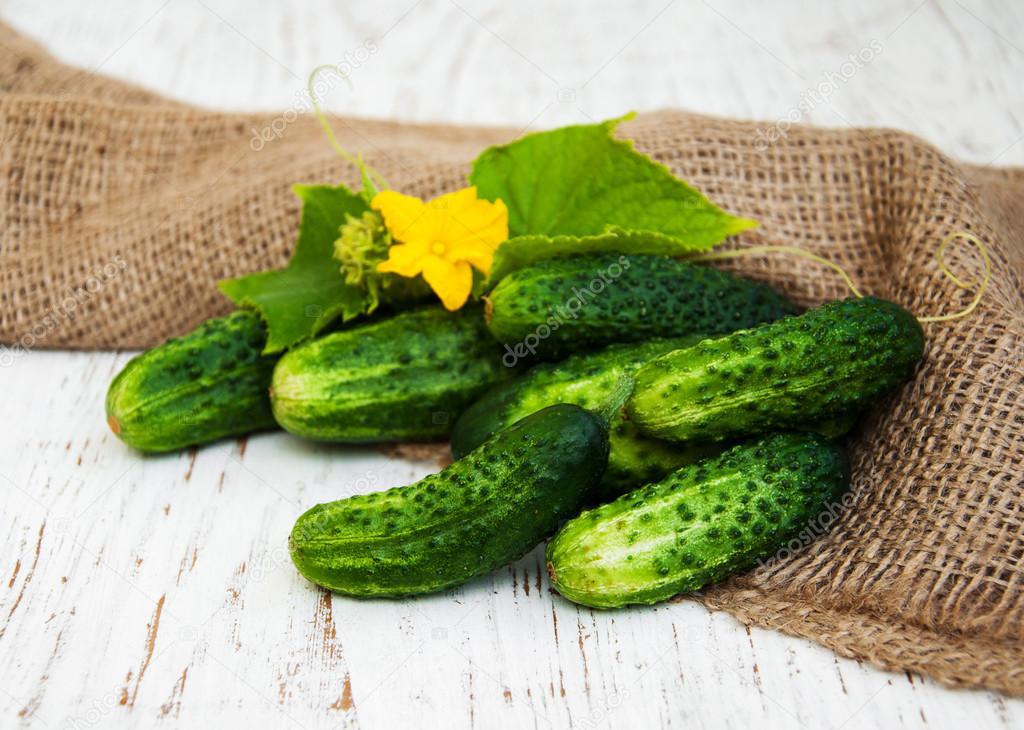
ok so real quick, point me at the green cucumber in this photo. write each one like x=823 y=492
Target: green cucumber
x=635 y=458
x=834 y=427
x=825 y=363
x=570 y=304
x=599 y=382
x=206 y=385
x=405 y=378
x=700 y=524
x=485 y=510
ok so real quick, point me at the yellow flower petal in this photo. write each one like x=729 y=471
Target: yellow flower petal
x=444 y=239
x=475 y=231
x=481 y=222
x=451 y=281
x=481 y=262
x=407 y=218
x=404 y=260
x=454 y=201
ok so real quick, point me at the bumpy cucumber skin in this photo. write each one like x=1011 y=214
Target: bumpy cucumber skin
x=405 y=378
x=485 y=510
x=700 y=524
x=599 y=382
x=206 y=385
x=636 y=459
x=552 y=308
x=822 y=364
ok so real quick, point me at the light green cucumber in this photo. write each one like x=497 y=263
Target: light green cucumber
x=405 y=378
x=701 y=523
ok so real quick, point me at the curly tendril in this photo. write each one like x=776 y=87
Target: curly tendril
x=365 y=169
x=974 y=283
x=979 y=285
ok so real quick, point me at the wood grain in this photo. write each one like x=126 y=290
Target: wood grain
x=146 y=591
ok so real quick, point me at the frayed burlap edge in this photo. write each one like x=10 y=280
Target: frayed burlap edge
x=954 y=661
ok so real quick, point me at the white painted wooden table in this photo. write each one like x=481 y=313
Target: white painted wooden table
x=158 y=591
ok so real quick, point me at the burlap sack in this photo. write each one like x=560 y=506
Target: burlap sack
x=121 y=210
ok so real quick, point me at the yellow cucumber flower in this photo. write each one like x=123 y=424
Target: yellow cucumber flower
x=442 y=239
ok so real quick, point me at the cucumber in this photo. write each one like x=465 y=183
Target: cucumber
x=599 y=382
x=485 y=510
x=206 y=385
x=700 y=524
x=822 y=364
x=636 y=459
x=834 y=427
x=405 y=378
x=569 y=304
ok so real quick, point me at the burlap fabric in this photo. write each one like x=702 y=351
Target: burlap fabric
x=122 y=209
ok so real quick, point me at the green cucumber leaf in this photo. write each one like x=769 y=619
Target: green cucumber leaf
x=579 y=189
x=301 y=299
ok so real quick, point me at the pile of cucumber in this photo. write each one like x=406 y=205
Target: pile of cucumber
x=697 y=414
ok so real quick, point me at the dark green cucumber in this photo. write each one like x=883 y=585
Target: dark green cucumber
x=485 y=510
x=700 y=524
x=569 y=304
x=635 y=458
x=405 y=378
x=833 y=427
x=209 y=384
x=825 y=363
x=599 y=382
